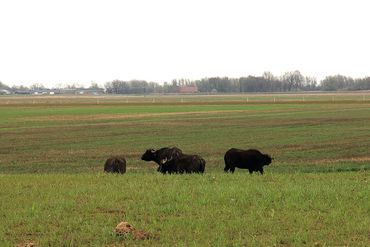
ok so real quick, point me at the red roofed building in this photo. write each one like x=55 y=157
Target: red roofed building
x=188 y=89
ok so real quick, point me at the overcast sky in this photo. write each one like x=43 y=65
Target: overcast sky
x=78 y=41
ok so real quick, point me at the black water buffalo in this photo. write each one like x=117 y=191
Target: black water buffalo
x=161 y=154
x=250 y=159
x=115 y=164
x=185 y=163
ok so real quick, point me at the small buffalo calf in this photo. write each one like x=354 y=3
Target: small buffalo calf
x=250 y=159
x=115 y=164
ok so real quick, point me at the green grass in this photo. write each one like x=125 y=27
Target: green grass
x=68 y=139
x=315 y=192
x=192 y=210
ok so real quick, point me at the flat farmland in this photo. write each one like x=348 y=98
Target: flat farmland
x=316 y=191
x=74 y=137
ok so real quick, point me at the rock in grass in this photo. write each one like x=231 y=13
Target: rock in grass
x=124 y=228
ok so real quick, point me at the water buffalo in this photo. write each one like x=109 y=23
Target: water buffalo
x=160 y=154
x=250 y=159
x=115 y=164
x=184 y=163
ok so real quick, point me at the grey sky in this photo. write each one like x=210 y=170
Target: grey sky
x=79 y=41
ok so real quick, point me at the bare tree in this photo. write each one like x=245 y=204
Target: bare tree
x=293 y=79
x=37 y=86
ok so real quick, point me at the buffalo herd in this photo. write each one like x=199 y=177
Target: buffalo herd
x=173 y=160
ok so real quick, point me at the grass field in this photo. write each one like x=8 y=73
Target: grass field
x=316 y=192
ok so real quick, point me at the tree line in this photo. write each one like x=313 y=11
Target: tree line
x=292 y=81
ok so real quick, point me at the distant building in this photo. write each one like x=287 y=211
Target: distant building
x=4 y=91
x=188 y=89
x=23 y=91
x=78 y=91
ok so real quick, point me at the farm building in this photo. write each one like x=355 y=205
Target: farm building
x=188 y=89
x=4 y=91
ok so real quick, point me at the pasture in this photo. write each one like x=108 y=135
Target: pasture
x=316 y=191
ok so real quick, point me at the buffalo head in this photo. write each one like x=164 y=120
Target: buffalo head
x=149 y=155
x=266 y=160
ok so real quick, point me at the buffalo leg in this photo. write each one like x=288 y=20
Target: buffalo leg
x=227 y=168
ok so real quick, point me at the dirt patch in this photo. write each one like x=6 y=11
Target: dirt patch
x=353 y=159
x=147 y=115
x=125 y=116
x=27 y=243
x=110 y=211
x=138 y=235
